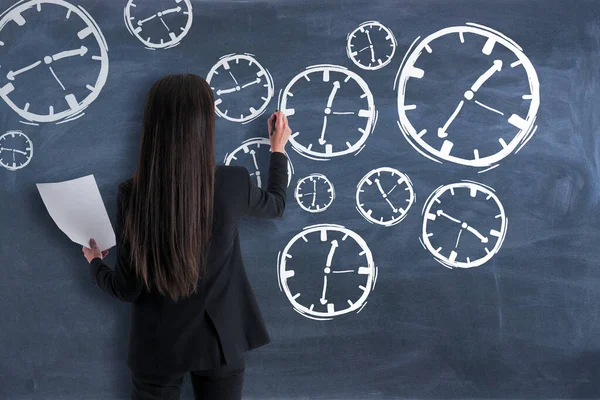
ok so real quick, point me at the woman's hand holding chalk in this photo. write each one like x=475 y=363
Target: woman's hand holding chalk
x=279 y=131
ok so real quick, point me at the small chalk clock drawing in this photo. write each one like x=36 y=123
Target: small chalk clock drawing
x=344 y=118
x=371 y=46
x=448 y=115
x=16 y=150
x=464 y=224
x=325 y=271
x=243 y=88
x=51 y=66
x=254 y=155
x=384 y=196
x=158 y=26
x=314 y=193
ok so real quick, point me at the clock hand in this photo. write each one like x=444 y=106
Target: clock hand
x=336 y=86
x=342 y=272
x=392 y=189
x=314 y=192
x=257 y=80
x=391 y=205
x=457 y=239
x=258 y=180
x=343 y=112
x=67 y=53
x=476 y=233
x=441 y=213
x=334 y=245
x=364 y=48
x=13 y=150
x=380 y=188
x=11 y=74
x=369 y=37
x=233 y=77
x=253 y=154
x=221 y=91
x=371 y=46
x=14 y=157
x=497 y=67
x=170 y=11
x=323 y=300
x=322 y=140
x=164 y=23
x=143 y=21
x=442 y=131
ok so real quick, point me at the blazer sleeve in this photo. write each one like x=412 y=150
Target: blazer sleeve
x=269 y=203
x=120 y=283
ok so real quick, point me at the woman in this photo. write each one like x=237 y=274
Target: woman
x=178 y=250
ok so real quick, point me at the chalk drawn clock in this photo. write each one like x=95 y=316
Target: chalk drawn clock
x=371 y=46
x=70 y=70
x=314 y=193
x=16 y=150
x=325 y=271
x=158 y=25
x=464 y=224
x=467 y=95
x=242 y=87
x=339 y=102
x=254 y=154
x=384 y=196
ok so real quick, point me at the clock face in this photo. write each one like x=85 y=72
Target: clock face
x=371 y=46
x=16 y=150
x=69 y=72
x=384 y=196
x=331 y=110
x=326 y=271
x=467 y=95
x=158 y=24
x=255 y=154
x=464 y=224
x=242 y=87
x=314 y=193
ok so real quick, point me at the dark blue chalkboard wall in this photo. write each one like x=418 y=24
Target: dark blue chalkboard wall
x=524 y=324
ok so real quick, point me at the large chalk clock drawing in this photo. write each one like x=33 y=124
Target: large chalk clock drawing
x=371 y=46
x=464 y=224
x=337 y=277
x=384 y=196
x=65 y=97
x=467 y=95
x=329 y=139
x=254 y=155
x=172 y=21
x=314 y=193
x=243 y=88
x=16 y=150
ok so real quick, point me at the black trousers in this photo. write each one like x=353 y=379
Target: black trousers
x=224 y=383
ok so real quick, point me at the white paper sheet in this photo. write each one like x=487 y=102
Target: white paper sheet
x=77 y=208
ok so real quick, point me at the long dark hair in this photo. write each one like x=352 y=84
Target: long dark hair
x=169 y=218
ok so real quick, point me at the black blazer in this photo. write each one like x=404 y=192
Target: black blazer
x=221 y=321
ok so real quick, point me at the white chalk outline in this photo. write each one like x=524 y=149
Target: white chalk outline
x=312 y=177
x=163 y=45
x=434 y=198
x=408 y=67
x=409 y=187
x=352 y=35
x=372 y=113
x=229 y=157
x=28 y=151
x=15 y=12
x=254 y=113
x=283 y=275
